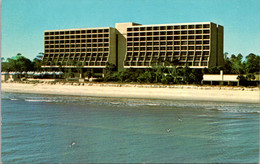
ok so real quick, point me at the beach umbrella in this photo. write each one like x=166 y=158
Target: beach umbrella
x=23 y=72
x=37 y=74
x=58 y=73
x=30 y=73
x=50 y=73
x=12 y=73
x=4 y=73
x=44 y=73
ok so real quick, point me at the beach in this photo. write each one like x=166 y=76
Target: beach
x=169 y=92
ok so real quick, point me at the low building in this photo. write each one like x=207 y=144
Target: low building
x=221 y=79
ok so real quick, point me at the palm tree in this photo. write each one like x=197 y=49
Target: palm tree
x=172 y=69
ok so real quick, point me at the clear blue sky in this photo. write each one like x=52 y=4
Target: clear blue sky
x=24 y=21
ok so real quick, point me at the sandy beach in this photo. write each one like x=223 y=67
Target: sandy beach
x=171 y=92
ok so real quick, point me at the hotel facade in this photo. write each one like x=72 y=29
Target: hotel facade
x=132 y=45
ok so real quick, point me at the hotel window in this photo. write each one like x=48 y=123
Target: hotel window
x=197 y=58
x=198 y=53
x=206 y=26
x=191 y=47
x=183 y=53
x=162 y=48
x=196 y=64
x=183 y=32
x=169 y=37
x=205 y=42
x=176 y=53
x=191 y=26
x=190 y=58
x=198 y=42
x=191 y=42
x=169 y=27
x=204 y=58
x=198 y=37
x=190 y=53
x=176 y=48
x=184 y=27
x=206 y=37
x=169 y=43
x=184 y=42
x=199 y=26
x=205 y=52
x=191 y=37
x=198 y=47
x=177 y=37
x=176 y=43
x=155 y=28
x=177 y=27
x=184 y=37
x=184 y=48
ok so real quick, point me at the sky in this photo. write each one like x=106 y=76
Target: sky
x=23 y=22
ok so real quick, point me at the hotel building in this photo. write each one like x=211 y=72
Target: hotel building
x=85 y=48
x=132 y=45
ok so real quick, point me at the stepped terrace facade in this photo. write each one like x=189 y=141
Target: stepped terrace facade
x=132 y=45
x=197 y=45
x=86 y=48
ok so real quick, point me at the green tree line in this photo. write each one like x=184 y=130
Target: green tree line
x=19 y=63
x=166 y=72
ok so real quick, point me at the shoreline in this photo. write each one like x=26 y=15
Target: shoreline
x=144 y=91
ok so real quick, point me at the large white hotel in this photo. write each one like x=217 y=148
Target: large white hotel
x=132 y=45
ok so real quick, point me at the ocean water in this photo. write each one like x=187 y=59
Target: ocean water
x=66 y=129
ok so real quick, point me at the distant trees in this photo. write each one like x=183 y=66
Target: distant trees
x=37 y=62
x=236 y=65
x=19 y=63
x=252 y=64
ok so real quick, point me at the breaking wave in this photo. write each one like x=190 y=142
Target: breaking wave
x=145 y=103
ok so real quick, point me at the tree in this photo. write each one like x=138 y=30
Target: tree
x=146 y=77
x=227 y=68
x=252 y=63
x=196 y=75
x=157 y=68
x=109 y=70
x=172 y=70
x=78 y=66
x=38 y=62
x=23 y=64
x=187 y=77
x=238 y=67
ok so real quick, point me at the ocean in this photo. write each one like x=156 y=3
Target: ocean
x=67 y=129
